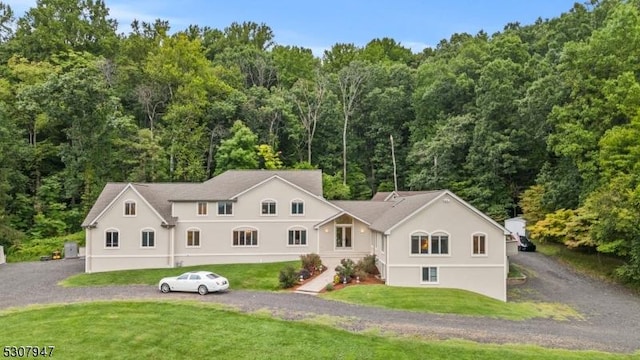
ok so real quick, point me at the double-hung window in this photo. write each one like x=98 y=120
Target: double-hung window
x=112 y=239
x=225 y=208
x=245 y=237
x=268 y=207
x=429 y=274
x=479 y=244
x=429 y=244
x=297 y=207
x=148 y=238
x=298 y=237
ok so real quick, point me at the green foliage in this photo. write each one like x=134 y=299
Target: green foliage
x=333 y=187
x=368 y=265
x=288 y=277
x=32 y=250
x=237 y=152
x=268 y=158
x=346 y=269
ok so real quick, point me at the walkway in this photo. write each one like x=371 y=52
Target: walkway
x=317 y=284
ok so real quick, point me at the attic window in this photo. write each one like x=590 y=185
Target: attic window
x=129 y=208
x=268 y=207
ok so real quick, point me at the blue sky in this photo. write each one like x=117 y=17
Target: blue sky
x=319 y=24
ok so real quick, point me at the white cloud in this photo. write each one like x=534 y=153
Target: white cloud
x=415 y=46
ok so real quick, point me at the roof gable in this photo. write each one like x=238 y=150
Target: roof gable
x=102 y=204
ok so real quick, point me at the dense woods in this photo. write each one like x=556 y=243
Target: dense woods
x=540 y=119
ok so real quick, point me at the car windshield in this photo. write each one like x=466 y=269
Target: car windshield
x=213 y=276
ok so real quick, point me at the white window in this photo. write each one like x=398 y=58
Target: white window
x=129 y=208
x=225 y=208
x=202 y=208
x=268 y=207
x=434 y=244
x=245 y=237
x=148 y=238
x=430 y=274
x=479 y=244
x=298 y=237
x=193 y=238
x=297 y=207
x=112 y=238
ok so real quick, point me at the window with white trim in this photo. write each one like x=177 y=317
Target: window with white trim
x=245 y=237
x=440 y=244
x=430 y=274
x=268 y=207
x=225 y=208
x=193 y=238
x=479 y=244
x=297 y=207
x=148 y=238
x=434 y=244
x=298 y=237
x=129 y=208
x=202 y=208
x=112 y=238
x=419 y=243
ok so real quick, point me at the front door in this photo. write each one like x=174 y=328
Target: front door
x=344 y=233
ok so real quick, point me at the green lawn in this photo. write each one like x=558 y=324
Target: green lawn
x=241 y=276
x=193 y=330
x=448 y=301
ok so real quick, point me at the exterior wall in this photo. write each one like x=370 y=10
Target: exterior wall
x=130 y=254
x=216 y=231
x=361 y=242
x=461 y=269
x=2 y=258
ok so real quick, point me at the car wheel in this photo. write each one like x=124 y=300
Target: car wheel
x=165 y=288
x=202 y=290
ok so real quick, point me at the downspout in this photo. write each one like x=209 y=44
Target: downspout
x=172 y=247
x=318 y=240
x=386 y=258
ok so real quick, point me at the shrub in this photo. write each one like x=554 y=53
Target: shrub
x=336 y=279
x=311 y=262
x=329 y=287
x=304 y=274
x=361 y=274
x=288 y=277
x=346 y=269
x=368 y=265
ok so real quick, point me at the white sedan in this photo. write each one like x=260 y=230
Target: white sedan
x=201 y=282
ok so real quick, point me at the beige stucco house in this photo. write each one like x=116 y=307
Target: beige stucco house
x=426 y=239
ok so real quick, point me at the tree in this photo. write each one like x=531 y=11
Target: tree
x=238 y=151
x=309 y=96
x=351 y=82
x=59 y=26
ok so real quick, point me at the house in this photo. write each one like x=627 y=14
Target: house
x=429 y=239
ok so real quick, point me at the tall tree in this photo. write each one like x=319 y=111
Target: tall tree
x=238 y=151
x=308 y=97
x=351 y=82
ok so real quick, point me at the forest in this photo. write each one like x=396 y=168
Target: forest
x=538 y=119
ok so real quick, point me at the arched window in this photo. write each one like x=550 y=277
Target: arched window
x=268 y=207
x=439 y=243
x=297 y=236
x=479 y=244
x=148 y=238
x=112 y=238
x=130 y=208
x=245 y=237
x=419 y=243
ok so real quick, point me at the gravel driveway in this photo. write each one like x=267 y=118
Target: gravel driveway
x=611 y=313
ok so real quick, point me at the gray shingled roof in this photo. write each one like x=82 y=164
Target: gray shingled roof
x=222 y=187
x=368 y=211
x=230 y=183
x=401 y=208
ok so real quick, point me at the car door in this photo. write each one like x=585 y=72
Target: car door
x=181 y=283
x=194 y=282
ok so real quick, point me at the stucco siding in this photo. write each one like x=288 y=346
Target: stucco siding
x=129 y=254
x=485 y=280
x=460 y=268
x=361 y=242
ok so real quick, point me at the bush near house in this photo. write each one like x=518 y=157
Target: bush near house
x=288 y=277
x=346 y=270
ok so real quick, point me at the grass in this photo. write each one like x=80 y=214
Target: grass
x=241 y=276
x=177 y=330
x=449 y=301
x=514 y=271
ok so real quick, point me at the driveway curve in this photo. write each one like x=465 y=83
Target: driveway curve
x=611 y=313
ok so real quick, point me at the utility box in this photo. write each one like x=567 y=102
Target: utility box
x=2 y=258
x=70 y=250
